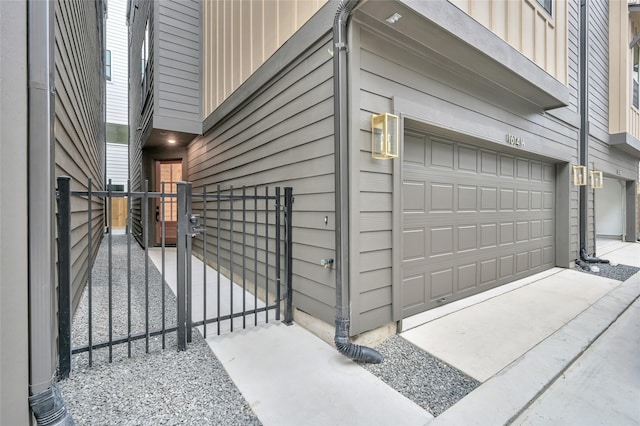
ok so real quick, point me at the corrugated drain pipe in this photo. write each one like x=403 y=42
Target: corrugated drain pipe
x=341 y=339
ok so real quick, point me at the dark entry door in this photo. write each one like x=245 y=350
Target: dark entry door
x=168 y=172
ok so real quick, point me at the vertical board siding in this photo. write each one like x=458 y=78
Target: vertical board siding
x=526 y=26
x=117 y=100
x=239 y=36
x=283 y=136
x=79 y=121
x=388 y=72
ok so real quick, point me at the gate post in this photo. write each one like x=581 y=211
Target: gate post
x=188 y=241
x=181 y=263
x=288 y=205
x=64 y=276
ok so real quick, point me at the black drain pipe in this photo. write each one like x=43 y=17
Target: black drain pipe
x=584 y=123
x=584 y=131
x=341 y=129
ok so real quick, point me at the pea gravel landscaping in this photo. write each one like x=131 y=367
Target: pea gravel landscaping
x=167 y=387
x=162 y=387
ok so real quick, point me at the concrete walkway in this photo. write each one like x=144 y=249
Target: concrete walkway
x=602 y=386
x=533 y=344
x=288 y=375
x=504 y=397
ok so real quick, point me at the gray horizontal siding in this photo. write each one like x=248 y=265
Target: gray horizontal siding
x=177 y=63
x=141 y=108
x=391 y=75
x=79 y=122
x=599 y=65
x=118 y=164
x=283 y=136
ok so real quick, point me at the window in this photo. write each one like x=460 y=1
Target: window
x=546 y=4
x=145 y=80
x=636 y=76
x=107 y=65
x=144 y=52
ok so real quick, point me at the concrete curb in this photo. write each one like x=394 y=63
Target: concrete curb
x=503 y=397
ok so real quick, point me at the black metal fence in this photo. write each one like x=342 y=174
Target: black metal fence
x=244 y=234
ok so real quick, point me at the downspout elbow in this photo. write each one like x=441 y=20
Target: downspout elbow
x=357 y=353
x=585 y=257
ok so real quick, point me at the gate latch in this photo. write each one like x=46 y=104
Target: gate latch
x=194 y=225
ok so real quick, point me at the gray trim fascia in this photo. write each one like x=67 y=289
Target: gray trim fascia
x=320 y=24
x=544 y=89
x=176 y=124
x=626 y=142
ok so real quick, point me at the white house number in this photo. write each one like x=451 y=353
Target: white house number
x=515 y=141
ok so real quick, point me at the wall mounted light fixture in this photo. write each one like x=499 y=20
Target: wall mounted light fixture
x=596 y=179
x=579 y=175
x=384 y=136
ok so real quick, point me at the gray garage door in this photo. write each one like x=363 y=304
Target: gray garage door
x=473 y=219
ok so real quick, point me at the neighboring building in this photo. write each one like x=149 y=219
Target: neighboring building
x=489 y=99
x=51 y=124
x=116 y=74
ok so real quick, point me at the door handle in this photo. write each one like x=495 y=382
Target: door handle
x=157 y=213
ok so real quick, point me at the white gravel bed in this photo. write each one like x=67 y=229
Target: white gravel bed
x=424 y=379
x=161 y=387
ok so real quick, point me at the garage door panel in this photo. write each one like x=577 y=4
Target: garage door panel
x=442 y=155
x=506 y=266
x=488 y=235
x=536 y=229
x=522 y=231
x=413 y=244
x=473 y=219
x=507 y=200
x=467 y=238
x=467 y=198
x=414 y=196
x=507 y=166
x=522 y=200
x=441 y=283
x=489 y=163
x=468 y=159
x=440 y=196
x=522 y=262
x=413 y=292
x=467 y=276
x=488 y=199
x=547 y=228
x=536 y=258
x=522 y=169
x=441 y=241
x=488 y=271
x=507 y=233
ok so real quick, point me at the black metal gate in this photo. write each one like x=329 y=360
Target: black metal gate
x=240 y=238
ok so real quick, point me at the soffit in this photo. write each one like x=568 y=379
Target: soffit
x=476 y=51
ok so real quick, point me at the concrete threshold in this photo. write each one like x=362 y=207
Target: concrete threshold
x=503 y=397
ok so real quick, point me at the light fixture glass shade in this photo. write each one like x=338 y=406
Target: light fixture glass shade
x=579 y=175
x=596 y=179
x=384 y=136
